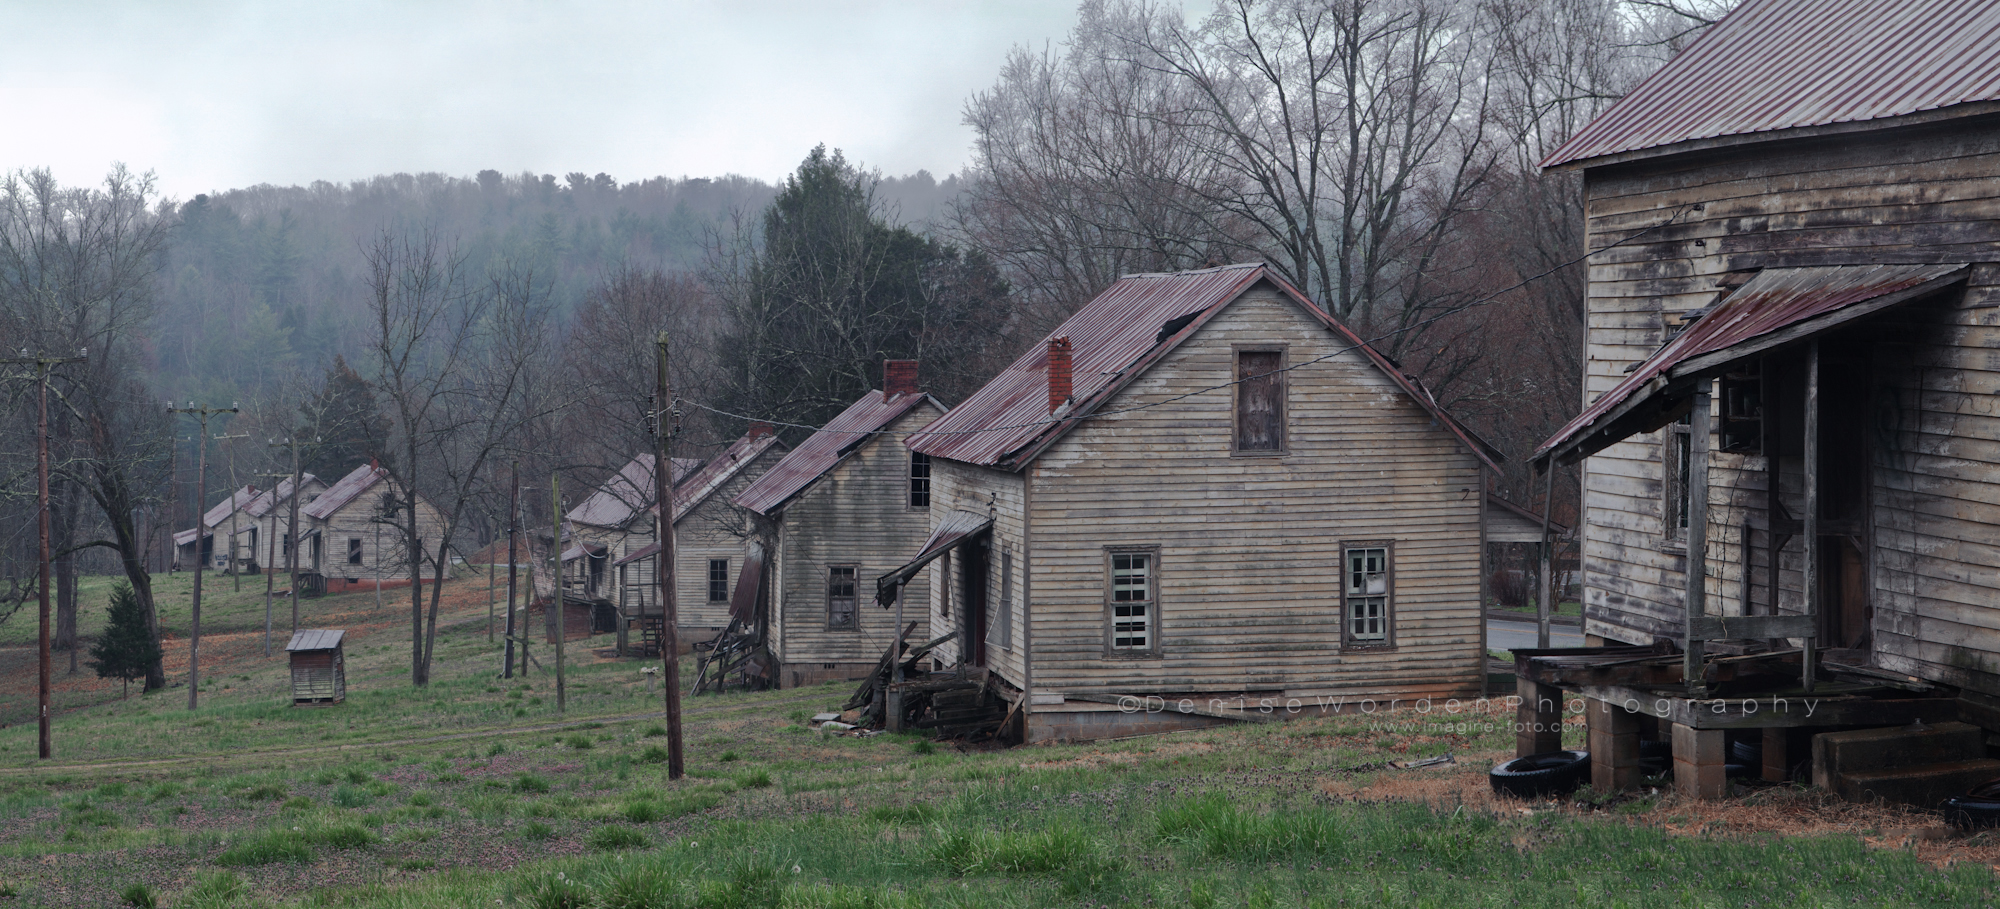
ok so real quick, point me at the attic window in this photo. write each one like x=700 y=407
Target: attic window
x=920 y=480
x=1260 y=402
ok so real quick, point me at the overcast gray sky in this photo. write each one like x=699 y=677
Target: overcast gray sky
x=215 y=95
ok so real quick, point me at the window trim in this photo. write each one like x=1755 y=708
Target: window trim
x=831 y=567
x=712 y=579
x=1236 y=352
x=1676 y=457
x=354 y=550
x=1347 y=639
x=911 y=479
x=1154 y=623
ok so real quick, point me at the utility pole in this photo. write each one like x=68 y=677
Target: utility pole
x=200 y=498
x=42 y=366
x=236 y=576
x=513 y=513
x=555 y=586
x=271 y=542
x=292 y=525
x=666 y=420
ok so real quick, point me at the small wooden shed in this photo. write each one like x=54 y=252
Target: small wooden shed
x=319 y=668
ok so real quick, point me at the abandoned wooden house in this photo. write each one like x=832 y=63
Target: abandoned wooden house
x=837 y=510
x=1201 y=497
x=1790 y=474
x=354 y=533
x=262 y=539
x=713 y=547
x=614 y=521
x=216 y=531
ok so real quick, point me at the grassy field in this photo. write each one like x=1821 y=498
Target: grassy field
x=474 y=792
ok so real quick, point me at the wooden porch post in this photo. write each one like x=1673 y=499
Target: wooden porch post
x=1697 y=538
x=1543 y=605
x=1812 y=508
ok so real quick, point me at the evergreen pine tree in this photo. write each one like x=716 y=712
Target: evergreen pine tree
x=125 y=650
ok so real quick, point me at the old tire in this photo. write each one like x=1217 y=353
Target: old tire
x=1538 y=775
x=1979 y=807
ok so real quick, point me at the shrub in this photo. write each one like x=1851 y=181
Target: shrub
x=266 y=849
x=614 y=838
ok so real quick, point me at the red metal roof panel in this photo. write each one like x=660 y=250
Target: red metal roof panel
x=1783 y=64
x=820 y=452
x=1774 y=299
x=339 y=494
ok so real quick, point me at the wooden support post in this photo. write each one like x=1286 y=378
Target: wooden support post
x=892 y=700
x=1538 y=720
x=1700 y=763
x=1807 y=669
x=556 y=584
x=1696 y=601
x=1614 y=746
x=513 y=515
x=1777 y=753
x=666 y=417
x=1544 y=606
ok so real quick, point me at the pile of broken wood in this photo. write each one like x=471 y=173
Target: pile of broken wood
x=960 y=702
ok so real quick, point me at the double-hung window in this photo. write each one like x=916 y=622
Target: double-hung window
x=920 y=480
x=1367 y=596
x=840 y=602
x=1133 y=606
x=718 y=580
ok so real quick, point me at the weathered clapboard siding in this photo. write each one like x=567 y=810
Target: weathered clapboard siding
x=857 y=514
x=714 y=529
x=983 y=490
x=1898 y=194
x=384 y=550
x=1249 y=547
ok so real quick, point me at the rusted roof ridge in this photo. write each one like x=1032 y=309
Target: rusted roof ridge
x=1777 y=65
x=624 y=494
x=336 y=497
x=825 y=449
x=691 y=491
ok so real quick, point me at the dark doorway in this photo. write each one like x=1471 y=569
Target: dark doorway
x=972 y=601
x=1844 y=400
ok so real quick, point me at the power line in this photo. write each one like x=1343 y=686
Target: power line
x=1051 y=421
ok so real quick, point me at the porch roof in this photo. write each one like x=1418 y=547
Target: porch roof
x=1775 y=309
x=956 y=527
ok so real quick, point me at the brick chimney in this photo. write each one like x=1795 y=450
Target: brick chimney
x=899 y=377
x=1059 y=373
x=759 y=429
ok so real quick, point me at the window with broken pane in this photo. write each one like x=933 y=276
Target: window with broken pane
x=840 y=612
x=1367 y=595
x=1132 y=595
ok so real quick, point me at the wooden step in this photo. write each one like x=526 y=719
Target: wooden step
x=1923 y=786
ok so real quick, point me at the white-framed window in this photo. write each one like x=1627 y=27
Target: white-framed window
x=718 y=580
x=920 y=480
x=841 y=614
x=1367 y=595
x=1132 y=601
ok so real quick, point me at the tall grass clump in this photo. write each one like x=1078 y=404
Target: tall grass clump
x=267 y=848
x=1213 y=827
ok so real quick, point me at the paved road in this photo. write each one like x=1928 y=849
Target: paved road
x=1502 y=634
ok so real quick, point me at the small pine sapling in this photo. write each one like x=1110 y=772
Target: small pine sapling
x=126 y=650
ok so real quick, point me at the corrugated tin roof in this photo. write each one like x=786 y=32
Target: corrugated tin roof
x=825 y=448
x=339 y=494
x=1776 y=298
x=955 y=527
x=315 y=639
x=1782 y=64
x=1114 y=339
x=261 y=505
x=627 y=492
x=214 y=517
x=719 y=470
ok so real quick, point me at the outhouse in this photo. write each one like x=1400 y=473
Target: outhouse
x=319 y=669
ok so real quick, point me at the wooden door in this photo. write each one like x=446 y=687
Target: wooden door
x=972 y=604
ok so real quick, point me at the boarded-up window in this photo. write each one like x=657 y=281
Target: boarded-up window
x=840 y=612
x=920 y=480
x=1260 y=400
x=353 y=550
x=1133 y=612
x=718 y=580
x=1367 y=595
x=1677 y=457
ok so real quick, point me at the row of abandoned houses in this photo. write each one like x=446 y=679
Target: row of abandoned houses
x=1201 y=492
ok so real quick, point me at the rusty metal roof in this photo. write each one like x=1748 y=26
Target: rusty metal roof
x=1746 y=323
x=627 y=492
x=825 y=448
x=1783 y=64
x=261 y=505
x=315 y=639
x=214 y=517
x=957 y=526
x=1114 y=339
x=695 y=489
x=339 y=494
